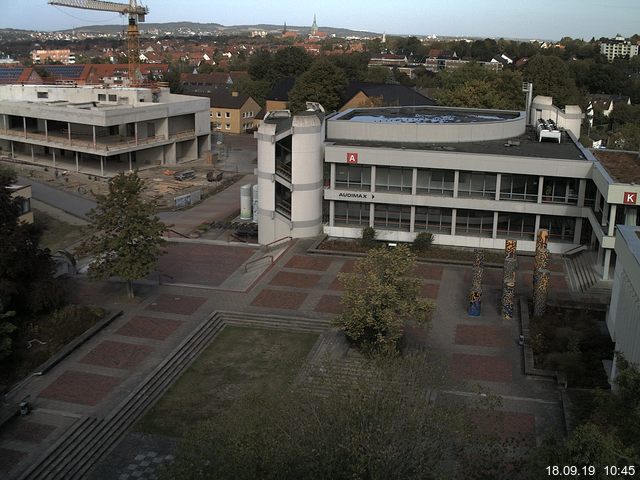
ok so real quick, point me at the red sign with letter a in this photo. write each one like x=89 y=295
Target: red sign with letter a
x=352 y=158
x=630 y=198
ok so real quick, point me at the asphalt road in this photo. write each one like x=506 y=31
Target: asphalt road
x=73 y=204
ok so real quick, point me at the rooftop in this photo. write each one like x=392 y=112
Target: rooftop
x=424 y=114
x=623 y=167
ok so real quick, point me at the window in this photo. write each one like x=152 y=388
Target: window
x=519 y=188
x=516 y=225
x=102 y=97
x=227 y=126
x=218 y=114
x=475 y=184
x=114 y=98
x=394 y=179
x=433 y=219
x=560 y=228
x=560 y=190
x=227 y=115
x=435 y=182
x=478 y=223
x=351 y=213
x=25 y=205
x=396 y=217
x=43 y=94
x=353 y=177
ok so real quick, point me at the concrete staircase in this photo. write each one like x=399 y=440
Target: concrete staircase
x=584 y=279
x=82 y=446
x=275 y=322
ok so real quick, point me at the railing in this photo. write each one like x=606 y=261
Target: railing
x=288 y=237
x=256 y=260
x=574 y=250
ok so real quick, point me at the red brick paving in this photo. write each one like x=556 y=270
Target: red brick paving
x=309 y=263
x=429 y=272
x=80 y=387
x=201 y=264
x=507 y=424
x=117 y=355
x=348 y=266
x=430 y=290
x=31 y=432
x=279 y=299
x=491 y=277
x=9 y=458
x=298 y=280
x=329 y=304
x=178 y=304
x=336 y=284
x=558 y=283
x=481 y=367
x=482 y=335
x=149 y=327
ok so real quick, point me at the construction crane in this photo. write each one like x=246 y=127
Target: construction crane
x=136 y=14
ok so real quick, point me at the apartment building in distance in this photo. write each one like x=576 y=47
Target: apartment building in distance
x=232 y=112
x=63 y=56
x=99 y=130
x=618 y=47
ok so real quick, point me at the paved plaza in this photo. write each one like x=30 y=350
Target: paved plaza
x=477 y=351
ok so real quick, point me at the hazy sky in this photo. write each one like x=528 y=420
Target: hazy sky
x=548 y=19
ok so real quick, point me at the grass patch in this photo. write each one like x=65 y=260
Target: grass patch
x=55 y=329
x=56 y=234
x=241 y=361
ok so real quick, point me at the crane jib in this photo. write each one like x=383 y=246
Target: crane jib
x=131 y=8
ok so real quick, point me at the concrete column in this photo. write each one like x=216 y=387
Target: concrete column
x=13 y=154
x=412 y=226
x=332 y=178
x=101 y=164
x=332 y=212
x=24 y=126
x=630 y=215
x=135 y=131
x=598 y=195
x=578 y=230
x=456 y=179
x=454 y=212
x=612 y=219
x=607 y=263
x=46 y=130
x=540 y=188
x=414 y=185
x=373 y=178
x=582 y=188
x=53 y=151
x=69 y=131
x=498 y=185
x=371 y=214
x=94 y=136
x=4 y=122
x=130 y=160
x=77 y=165
x=32 y=156
x=494 y=233
x=536 y=226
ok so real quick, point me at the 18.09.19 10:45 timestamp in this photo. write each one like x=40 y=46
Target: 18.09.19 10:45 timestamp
x=613 y=471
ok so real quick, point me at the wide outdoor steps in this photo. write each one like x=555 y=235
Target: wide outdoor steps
x=582 y=275
x=275 y=322
x=90 y=438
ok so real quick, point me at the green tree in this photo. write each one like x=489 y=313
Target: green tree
x=257 y=89
x=323 y=82
x=260 y=65
x=6 y=329
x=379 y=297
x=551 y=77
x=124 y=235
x=379 y=74
x=289 y=62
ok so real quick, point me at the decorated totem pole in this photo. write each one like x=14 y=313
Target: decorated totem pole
x=475 y=294
x=509 y=279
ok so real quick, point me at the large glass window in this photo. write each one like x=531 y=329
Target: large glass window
x=477 y=223
x=516 y=225
x=395 y=217
x=435 y=182
x=353 y=177
x=433 y=219
x=590 y=194
x=394 y=179
x=477 y=184
x=560 y=228
x=560 y=190
x=351 y=213
x=519 y=187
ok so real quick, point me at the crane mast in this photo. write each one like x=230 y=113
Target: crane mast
x=135 y=12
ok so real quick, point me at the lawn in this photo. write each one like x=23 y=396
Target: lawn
x=56 y=234
x=240 y=361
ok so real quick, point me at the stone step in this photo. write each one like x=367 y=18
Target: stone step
x=294 y=324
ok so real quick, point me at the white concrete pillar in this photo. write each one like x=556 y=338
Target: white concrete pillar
x=607 y=263
x=93 y=127
x=498 y=185
x=540 y=188
x=101 y=165
x=135 y=132
x=454 y=213
x=77 y=165
x=612 y=219
x=373 y=178
x=332 y=212
x=578 y=230
x=456 y=179
x=13 y=154
x=536 y=226
x=32 y=155
x=414 y=187
x=46 y=130
x=372 y=212
x=582 y=188
x=494 y=233
x=24 y=126
x=53 y=151
x=412 y=224
x=69 y=131
x=332 y=178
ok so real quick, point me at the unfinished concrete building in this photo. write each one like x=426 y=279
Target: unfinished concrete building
x=102 y=130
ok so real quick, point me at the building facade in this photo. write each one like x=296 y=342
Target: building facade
x=233 y=112
x=102 y=131
x=23 y=194
x=63 y=56
x=618 y=47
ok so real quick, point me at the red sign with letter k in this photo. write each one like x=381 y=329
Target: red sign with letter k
x=630 y=198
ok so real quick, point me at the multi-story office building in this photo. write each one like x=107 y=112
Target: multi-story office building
x=102 y=130
x=472 y=177
x=63 y=56
x=618 y=47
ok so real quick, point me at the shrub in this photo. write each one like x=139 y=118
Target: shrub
x=423 y=242
x=368 y=237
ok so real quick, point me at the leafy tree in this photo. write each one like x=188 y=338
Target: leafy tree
x=260 y=65
x=6 y=329
x=289 y=62
x=257 y=89
x=423 y=242
x=379 y=74
x=377 y=426
x=354 y=65
x=124 y=235
x=379 y=296
x=368 y=237
x=323 y=82
x=551 y=77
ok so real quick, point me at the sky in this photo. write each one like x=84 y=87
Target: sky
x=524 y=19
